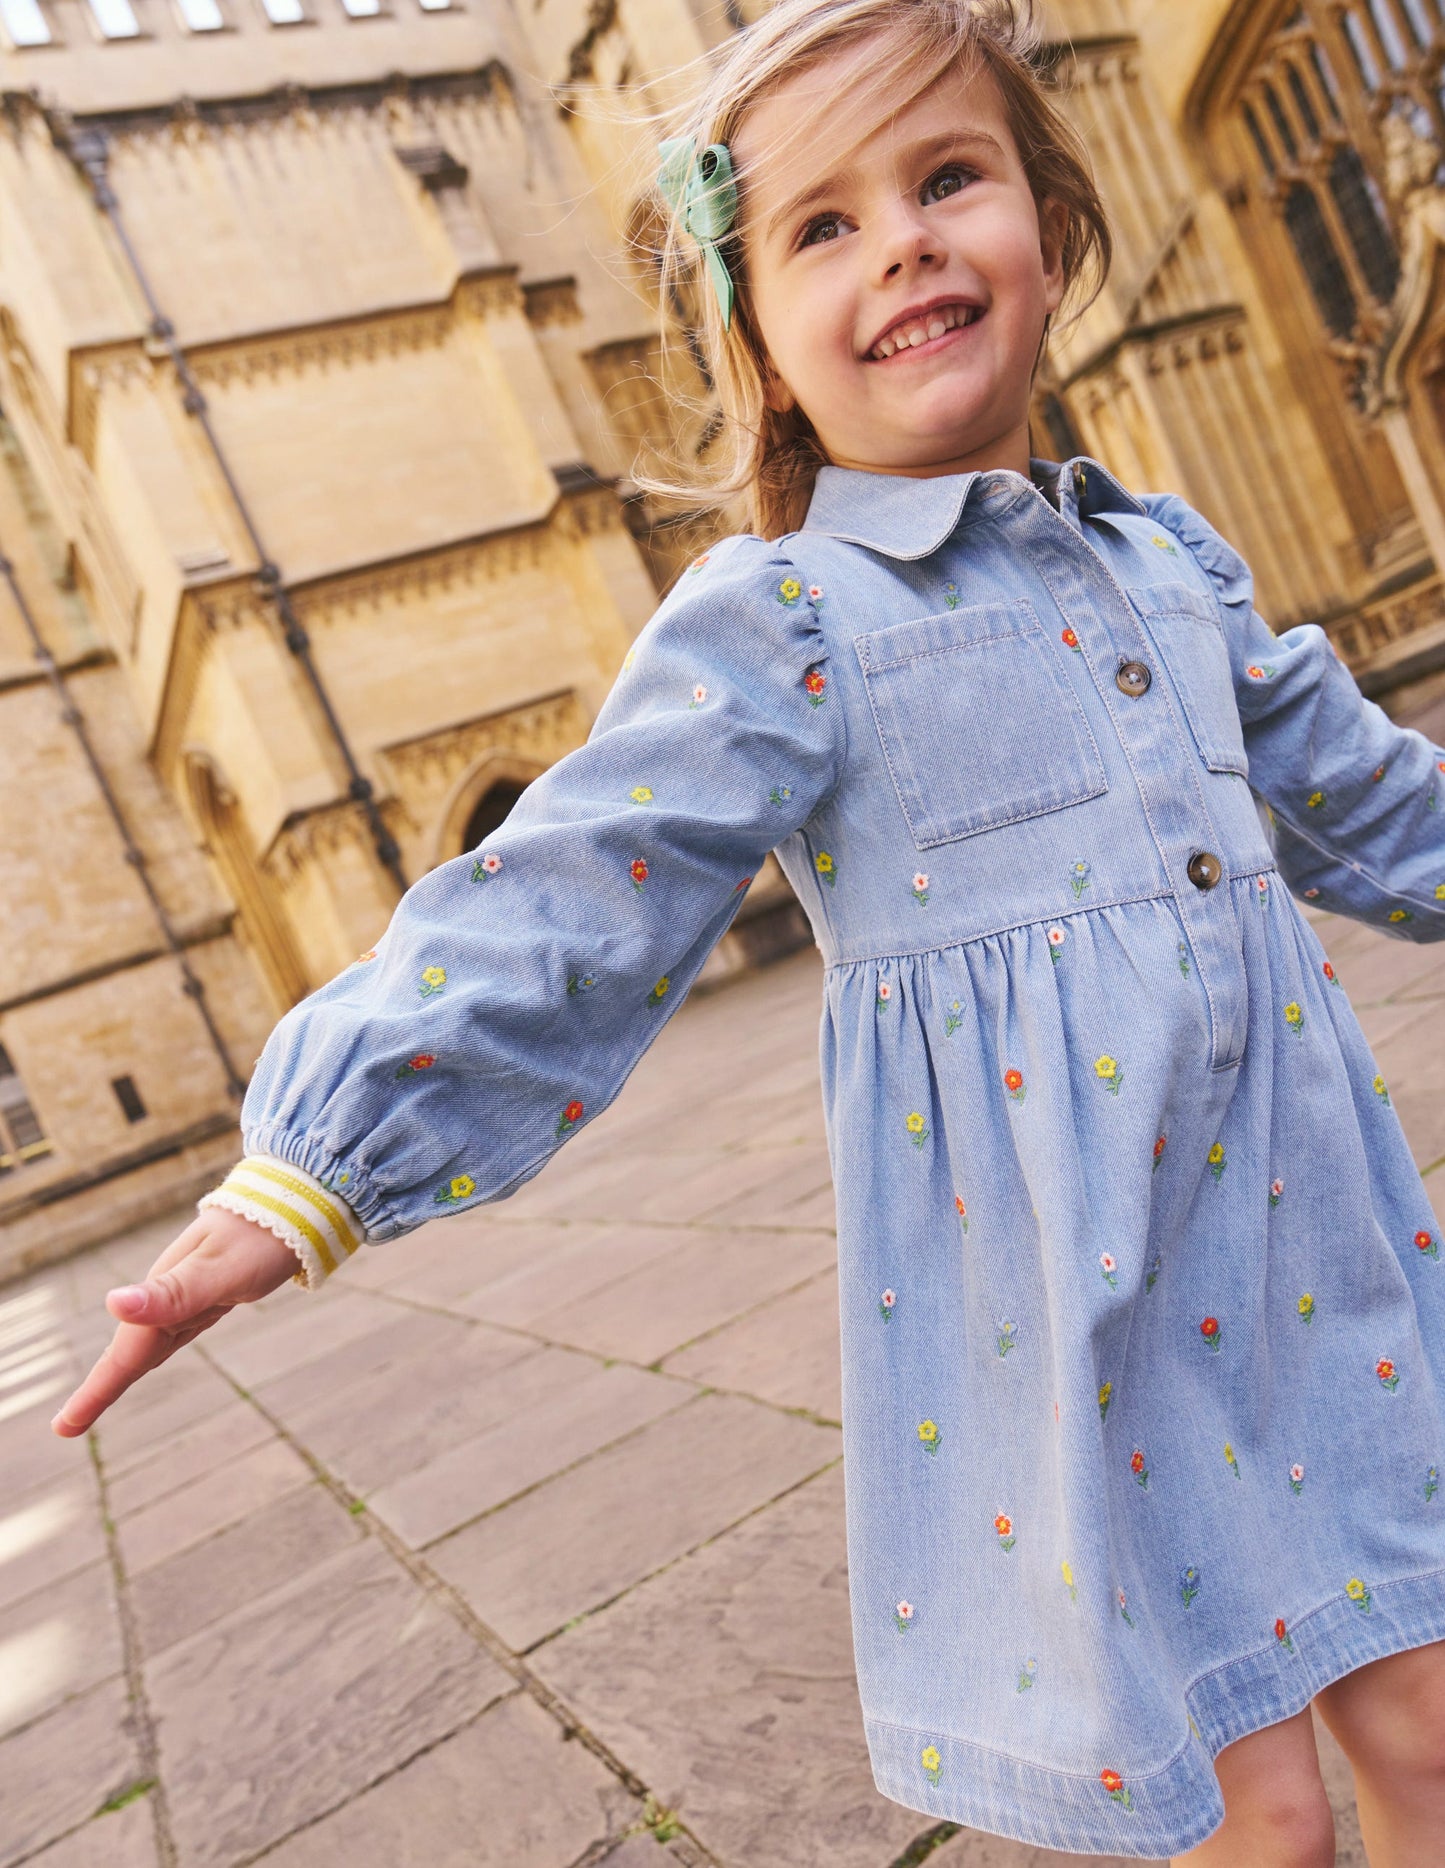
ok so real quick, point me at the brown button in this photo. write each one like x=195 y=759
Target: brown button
x=1205 y=869
x=1133 y=679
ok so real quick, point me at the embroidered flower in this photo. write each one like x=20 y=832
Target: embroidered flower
x=1106 y=1069
x=1261 y=885
x=1138 y=1468
x=1276 y=1192
x=1066 y=1571
x=1358 y=1594
x=1380 y=1090
x=1315 y=800
x=961 y=1210
x=950 y=594
x=569 y=1118
x=433 y=979
x=1026 y=1675
x=1153 y=1272
x=1070 y=640
x=641 y=794
x=917 y=1129
x=1432 y=1482
x=1256 y=672
x=903 y=1615
x=1217 y=1162
x=1056 y=941
x=581 y=982
x=1109 y=1269
x=461 y=1188
x=1306 y=1308
x=953 y=1018
x=1079 y=878
x=639 y=872
x=659 y=991
x=1209 y=1330
x=1297 y=1478
x=1160 y=1145
x=929 y=1436
x=1106 y=1395
x=1377 y=774
x=1294 y=1017
x=631 y=656
x=826 y=867
x=422 y=1061
x=698 y=563
x=362 y=958
x=1312 y=895
x=885 y=1305
x=1440 y=891
x=932 y=1763
x=1188 y=1583
x=1124 y=1607
x=885 y=993
x=1111 y=1780
x=815 y=684
x=1281 y=1634
x=1230 y=1460
x=920 y=889
x=1184 y=958
x=1013 y=1082
x=1006 y=1337
x=1426 y=1243
x=1400 y=914
x=1330 y=973
x=742 y=885
x=1163 y=544
x=780 y=794
x=1004 y=1525
x=1385 y=1369
x=489 y=865
x=789 y=591
x=815 y=593
x=699 y=696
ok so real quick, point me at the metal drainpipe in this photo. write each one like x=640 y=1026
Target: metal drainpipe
x=134 y=855
x=89 y=150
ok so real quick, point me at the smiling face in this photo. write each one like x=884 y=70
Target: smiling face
x=899 y=284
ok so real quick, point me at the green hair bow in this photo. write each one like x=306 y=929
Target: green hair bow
x=701 y=192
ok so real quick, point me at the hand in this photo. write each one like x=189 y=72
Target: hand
x=219 y=1260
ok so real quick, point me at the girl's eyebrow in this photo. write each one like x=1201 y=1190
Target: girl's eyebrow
x=925 y=150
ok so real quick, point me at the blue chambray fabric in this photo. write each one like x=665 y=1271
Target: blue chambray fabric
x=1141 y=1294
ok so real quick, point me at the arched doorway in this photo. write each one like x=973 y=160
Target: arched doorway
x=491 y=810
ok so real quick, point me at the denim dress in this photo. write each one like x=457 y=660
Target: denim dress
x=1142 y=1299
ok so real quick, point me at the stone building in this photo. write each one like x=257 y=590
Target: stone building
x=321 y=379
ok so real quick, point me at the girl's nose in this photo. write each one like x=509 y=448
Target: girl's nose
x=905 y=245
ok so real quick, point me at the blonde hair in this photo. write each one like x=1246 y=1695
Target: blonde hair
x=770 y=459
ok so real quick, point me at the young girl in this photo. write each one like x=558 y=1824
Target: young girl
x=1143 y=1307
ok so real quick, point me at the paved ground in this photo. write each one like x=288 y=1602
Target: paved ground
x=520 y=1546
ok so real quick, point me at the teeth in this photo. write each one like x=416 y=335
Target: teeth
x=938 y=327
x=908 y=336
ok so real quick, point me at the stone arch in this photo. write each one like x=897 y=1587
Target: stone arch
x=492 y=770
x=217 y=817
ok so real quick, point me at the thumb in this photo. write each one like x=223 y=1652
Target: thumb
x=165 y=1300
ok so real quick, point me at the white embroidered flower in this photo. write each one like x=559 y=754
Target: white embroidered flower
x=888 y=1299
x=885 y=991
x=491 y=864
x=1296 y=1472
x=1276 y=1187
x=699 y=695
x=905 y=1611
x=920 y=881
x=1106 y=1261
x=1056 y=937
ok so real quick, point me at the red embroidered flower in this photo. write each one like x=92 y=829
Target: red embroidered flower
x=815 y=681
x=1329 y=970
x=1384 y=1368
x=1255 y=672
x=1069 y=639
x=1003 y=1525
x=1209 y=1327
x=742 y=885
x=1423 y=1240
x=1136 y=1464
x=1111 y=1781
x=573 y=1112
x=639 y=870
x=1279 y=1629
x=423 y=1062
x=958 y=1202
x=1159 y=1146
x=1378 y=773
x=1013 y=1080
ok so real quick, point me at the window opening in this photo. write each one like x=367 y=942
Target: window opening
x=1363 y=215
x=1304 y=103
x=1390 y=36
x=1364 y=57
x=202 y=15
x=115 y=19
x=21 y=1137
x=491 y=811
x=1329 y=83
x=1261 y=141
x=284 y=12
x=362 y=9
x=1421 y=29
x=24 y=23
x=1281 y=123
x=1323 y=268
x=129 y=1098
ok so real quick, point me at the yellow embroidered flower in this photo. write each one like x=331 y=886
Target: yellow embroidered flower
x=1355 y=1589
x=641 y=794
x=1398 y=914
x=914 y=1124
x=1216 y=1153
x=823 y=863
x=790 y=590
x=1306 y=1305
x=1104 y=1067
x=927 y=1430
x=1066 y=1570
x=1315 y=800
x=1104 y=1394
x=463 y=1187
x=434 y=976
x=1440 y=891
x=659 y=991
x=931 y=1759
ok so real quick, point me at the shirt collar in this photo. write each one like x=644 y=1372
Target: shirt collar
x=908 y=518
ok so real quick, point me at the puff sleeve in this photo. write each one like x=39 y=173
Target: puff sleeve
x=516 y=987
x=1356 y=803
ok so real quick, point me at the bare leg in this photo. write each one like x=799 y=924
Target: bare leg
x=1276 y=1813
x=1389 y=1718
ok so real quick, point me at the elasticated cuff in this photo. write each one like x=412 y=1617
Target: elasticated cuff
x=317 y=1224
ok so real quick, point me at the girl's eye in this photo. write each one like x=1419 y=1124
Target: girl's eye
x=822 y=227
x=950 y=181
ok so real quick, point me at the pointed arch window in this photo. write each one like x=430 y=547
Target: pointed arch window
x=22 y=1138
x=1315 y=249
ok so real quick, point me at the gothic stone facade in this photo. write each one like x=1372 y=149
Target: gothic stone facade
x=321 y=381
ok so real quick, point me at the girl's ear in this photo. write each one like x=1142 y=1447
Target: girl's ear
x=1053 y=229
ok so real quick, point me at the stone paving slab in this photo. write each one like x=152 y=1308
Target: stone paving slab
x=325 y=1660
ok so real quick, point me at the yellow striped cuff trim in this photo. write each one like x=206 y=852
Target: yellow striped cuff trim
x=289 y=1215
x=304 y=1190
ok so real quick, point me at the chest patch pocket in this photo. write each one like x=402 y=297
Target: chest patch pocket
x=1186 y=629
x=977 y=725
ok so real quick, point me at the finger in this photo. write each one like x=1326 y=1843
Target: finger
x=131 y=1351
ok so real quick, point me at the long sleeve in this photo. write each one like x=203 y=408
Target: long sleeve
x=1356 y=803
x=517 y=986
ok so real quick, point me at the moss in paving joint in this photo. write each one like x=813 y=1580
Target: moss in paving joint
x=919 y=1851
x=142 y=1787
x=662 y=1824
x=356 y=1507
